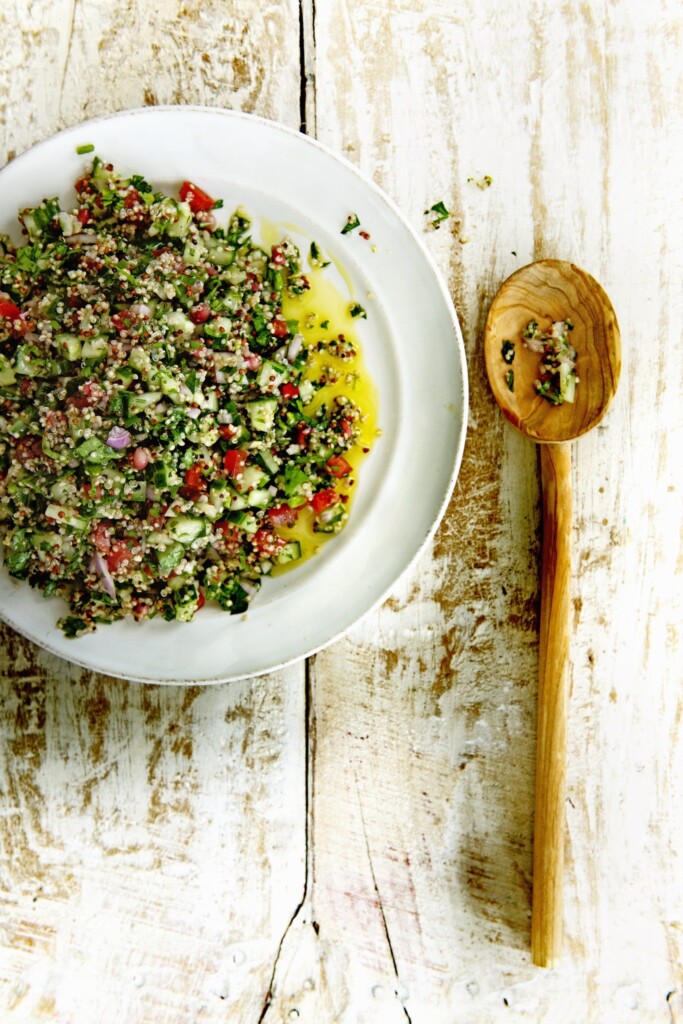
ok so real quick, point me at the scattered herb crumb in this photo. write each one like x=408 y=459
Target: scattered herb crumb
x=325 y=324
x=87 y=148
x=508 y=351
x=482 y=183
x=513 y=253
x=357 y=310
x=510 y=380
x=316 y=257
x=352 y=222
x=441 y=213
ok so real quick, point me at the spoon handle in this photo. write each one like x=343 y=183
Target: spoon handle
x=549 y=815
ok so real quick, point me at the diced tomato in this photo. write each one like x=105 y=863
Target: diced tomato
x=195 y=484
x=92 y=492
x=303 y=432
x=28 y=449
x=197 y=198
x=83 y=215
x=234 y=461
x=267 y=543
x=156 y=515
x=194 y=476
x=82 y=398
x=22 y=326
x=227 y=431
x=9 y=309
x=101 y=538
x=119 y=556
x=346 y=427
x=338 y=466
x=278 y=256
x=132 y=199
x=323 y=499
x=229 y=532
x=283 y=515
x=79 y=401
x=280 y=328
x=289 y=391
x=201 y=600
x=123 y=320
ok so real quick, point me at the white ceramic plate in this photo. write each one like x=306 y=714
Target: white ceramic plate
x=412 y=344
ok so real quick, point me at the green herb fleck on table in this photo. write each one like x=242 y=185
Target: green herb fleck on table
x=482 y=183
x=88 y=148
x=441 y=214
x=357 y=310
x=510 y=380
x=352 y=223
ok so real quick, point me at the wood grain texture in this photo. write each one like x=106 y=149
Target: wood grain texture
x=422 y=844
x=174 y=855
x=551 y=732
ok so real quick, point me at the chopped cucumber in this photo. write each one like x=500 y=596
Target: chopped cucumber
x=170 y=557
x=250 y=478
x=270 y=375
x=262 y=413
x=64 y=514
x=291 y=552
x=187 y=528
x=70 y=344
x=95 y=348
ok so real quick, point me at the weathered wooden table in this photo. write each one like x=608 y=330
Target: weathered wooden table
x=349 y=840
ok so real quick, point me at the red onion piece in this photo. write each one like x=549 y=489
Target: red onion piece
x=83 y=238
x=295 y=347
x=99 y=566
x=141 y=310
x=118 y=438
x=247 y=586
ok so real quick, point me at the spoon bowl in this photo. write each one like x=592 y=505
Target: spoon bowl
x=547 y=291
x=550 y=291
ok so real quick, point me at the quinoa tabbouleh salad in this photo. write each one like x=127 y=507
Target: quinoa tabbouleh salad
x=177 y=419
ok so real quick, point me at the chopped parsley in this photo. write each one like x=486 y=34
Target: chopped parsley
x=352 y=223
x=357 y=310
x=508 y=351
x=316 y=257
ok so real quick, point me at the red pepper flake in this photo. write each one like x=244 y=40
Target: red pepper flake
x=365 y=235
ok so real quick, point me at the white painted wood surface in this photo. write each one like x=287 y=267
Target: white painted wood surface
x=350 y=841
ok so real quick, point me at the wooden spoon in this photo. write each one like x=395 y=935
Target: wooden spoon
x=548 y=291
